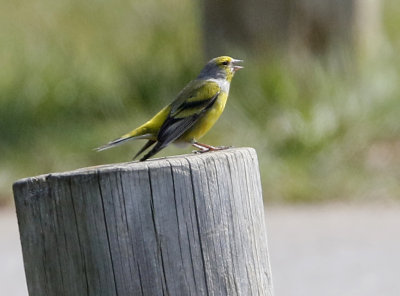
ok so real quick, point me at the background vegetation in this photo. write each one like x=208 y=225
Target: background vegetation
x=76 y=74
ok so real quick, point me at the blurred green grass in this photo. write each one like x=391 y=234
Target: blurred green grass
x=78 y=74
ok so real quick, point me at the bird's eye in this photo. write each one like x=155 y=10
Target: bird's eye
x=225 y=63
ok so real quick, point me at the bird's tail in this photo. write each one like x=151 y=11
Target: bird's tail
x=147 y=131
x=154 y=150
x=148 y=144
x=141 y=132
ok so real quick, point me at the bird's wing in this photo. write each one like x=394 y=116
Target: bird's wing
x=192 y=102
x=196 y=91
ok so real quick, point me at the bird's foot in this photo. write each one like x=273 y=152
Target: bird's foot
x=223 y=147
x=207 y=148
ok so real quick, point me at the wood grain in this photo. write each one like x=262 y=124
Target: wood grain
x=185 y=225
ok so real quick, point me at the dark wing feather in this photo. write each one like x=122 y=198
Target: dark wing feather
x=176 y=126
x=180 y=120
x=147 y=145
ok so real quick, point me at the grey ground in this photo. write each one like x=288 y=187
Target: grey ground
x=341 y=250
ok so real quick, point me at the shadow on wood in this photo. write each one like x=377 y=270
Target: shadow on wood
x=185 y=225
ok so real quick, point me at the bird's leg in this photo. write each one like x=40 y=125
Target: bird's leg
x=206 y=148
x=203 y=147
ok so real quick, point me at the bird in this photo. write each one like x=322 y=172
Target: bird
x=191 y=115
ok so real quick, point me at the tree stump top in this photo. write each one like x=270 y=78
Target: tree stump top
x=144 y=165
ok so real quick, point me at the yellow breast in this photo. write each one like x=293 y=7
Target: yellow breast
x=201 y=127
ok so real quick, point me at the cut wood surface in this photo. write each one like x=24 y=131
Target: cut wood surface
x=184 y=225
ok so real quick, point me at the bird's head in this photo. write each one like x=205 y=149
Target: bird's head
x=223 y=67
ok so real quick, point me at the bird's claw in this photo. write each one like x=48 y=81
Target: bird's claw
x=223 y=147
x=212 y=148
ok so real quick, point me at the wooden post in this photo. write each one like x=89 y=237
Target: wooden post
x=185 y=225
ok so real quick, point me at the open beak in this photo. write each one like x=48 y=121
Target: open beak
x=236 y=67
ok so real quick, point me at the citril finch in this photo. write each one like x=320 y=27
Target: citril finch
x=191 y=115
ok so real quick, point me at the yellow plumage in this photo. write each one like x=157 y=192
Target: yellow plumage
x=149 y=129
x=191 y=115
x=207 y=121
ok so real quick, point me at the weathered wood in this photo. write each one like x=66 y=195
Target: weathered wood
x=185 y=225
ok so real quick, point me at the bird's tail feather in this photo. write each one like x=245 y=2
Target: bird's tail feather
x=154 y=150
x=147 y=145
x=122 y=140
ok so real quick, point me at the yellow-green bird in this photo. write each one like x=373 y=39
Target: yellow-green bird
x=191 y=115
